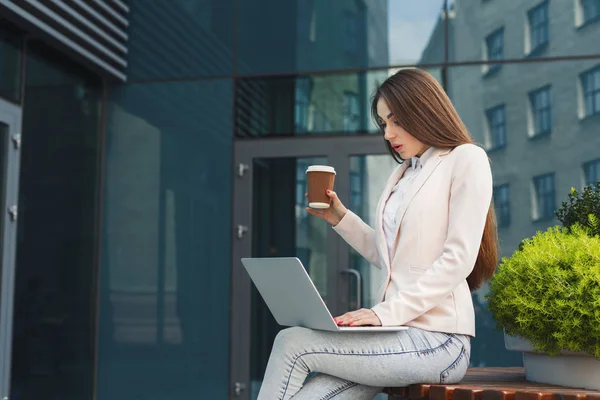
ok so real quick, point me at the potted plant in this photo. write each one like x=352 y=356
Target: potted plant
x=546 y=297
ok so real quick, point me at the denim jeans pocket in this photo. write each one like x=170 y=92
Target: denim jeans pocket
x=457 y=370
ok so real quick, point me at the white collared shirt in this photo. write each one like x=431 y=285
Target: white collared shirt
x=390 y=210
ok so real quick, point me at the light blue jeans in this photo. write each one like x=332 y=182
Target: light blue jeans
x=358 y=365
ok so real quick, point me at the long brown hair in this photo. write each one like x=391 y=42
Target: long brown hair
x=422 y=108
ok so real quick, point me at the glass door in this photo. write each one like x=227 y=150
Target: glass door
x=368 y=176
x=10 y=141
x=270 y=220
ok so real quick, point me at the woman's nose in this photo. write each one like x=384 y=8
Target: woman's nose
x=387 y=134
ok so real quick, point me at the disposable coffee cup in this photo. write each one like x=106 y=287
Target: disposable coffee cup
x=320 y=179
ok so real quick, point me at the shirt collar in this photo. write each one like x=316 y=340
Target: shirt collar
x=416 y=162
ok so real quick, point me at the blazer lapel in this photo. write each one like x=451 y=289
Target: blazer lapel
x=426 y=171
x=381 y=241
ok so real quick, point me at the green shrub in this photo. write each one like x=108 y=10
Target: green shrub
x=549 y=291
x=580 y=207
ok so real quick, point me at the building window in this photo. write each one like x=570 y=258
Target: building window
x=302 y=100
x=496 y=127
x=589 y=11
x=494 y=49
x=590 y=88
x=538 y=27
x=591 y=171
x=351 y=112
x=356 y=183
x=358 y=169
x=319 y=122
x=541 y=111
x=502 y=205
x=544 y=202
x=301 y=184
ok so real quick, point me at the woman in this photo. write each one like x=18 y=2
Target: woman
x=435 y=235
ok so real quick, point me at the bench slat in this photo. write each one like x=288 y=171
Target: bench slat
x=492 y=384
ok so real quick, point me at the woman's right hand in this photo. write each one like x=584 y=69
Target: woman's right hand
x=334 y=213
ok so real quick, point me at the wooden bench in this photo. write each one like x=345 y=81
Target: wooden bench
x=492 y=384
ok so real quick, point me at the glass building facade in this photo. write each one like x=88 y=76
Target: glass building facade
x=137 y=197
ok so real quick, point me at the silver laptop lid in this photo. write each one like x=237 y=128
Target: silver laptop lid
x=289 y=292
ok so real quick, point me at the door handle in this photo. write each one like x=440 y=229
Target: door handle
x=358 y=276
x=241 y=231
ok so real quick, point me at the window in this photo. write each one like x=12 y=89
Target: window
x=591 y=170
x=502 y=205
x=544 y=200
x=351 y=112
x=494 y=44
x=538 y=27
x=301 y=185
x=590 y=85
x=10 y=66
x=302 y=99
x=541 y=111
x=356 y=182
x=496 y=119
x=319 y=121
x=590 y=10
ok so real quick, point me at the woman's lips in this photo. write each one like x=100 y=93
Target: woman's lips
x=398 y=147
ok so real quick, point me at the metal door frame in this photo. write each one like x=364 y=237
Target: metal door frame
x=338 y=151
x=11 y=115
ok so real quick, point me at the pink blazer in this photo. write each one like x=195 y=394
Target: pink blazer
x=442 y=217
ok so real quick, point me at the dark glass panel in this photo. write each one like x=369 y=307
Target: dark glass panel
x=10 y=65
x=178 y=39
x=55 y=288
x=165 y=295
x=318 y=104
x=313 y=35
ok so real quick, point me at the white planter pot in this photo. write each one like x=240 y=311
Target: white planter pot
x=578 y=370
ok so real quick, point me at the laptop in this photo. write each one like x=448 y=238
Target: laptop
x=292 y=297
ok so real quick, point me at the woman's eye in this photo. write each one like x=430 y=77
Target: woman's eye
x=396 y=123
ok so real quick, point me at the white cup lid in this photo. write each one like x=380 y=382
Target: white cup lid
x=320 y=168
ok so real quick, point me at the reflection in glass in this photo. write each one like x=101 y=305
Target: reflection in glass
x=533 y=172
x=55 y=288
x=311 y=35
x=417 y=32
x=318 y=35
x=368 y=176
x=165 y=278
x=10 y=66
x=180 y=39
x=282 y=230
x=318 y=104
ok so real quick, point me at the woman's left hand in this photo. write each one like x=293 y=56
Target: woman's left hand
x=361 y=317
